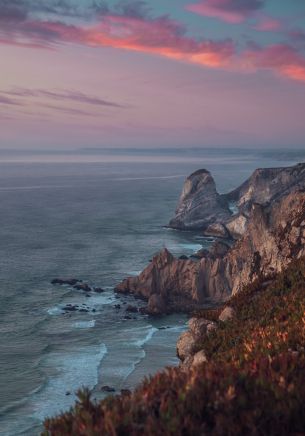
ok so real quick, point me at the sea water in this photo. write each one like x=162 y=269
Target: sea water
x=98 y=216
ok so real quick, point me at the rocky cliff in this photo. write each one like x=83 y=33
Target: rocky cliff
x=275 y=235
x=200 y=206
x=266 y=185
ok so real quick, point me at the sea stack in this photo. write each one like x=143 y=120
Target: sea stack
x=200 y=204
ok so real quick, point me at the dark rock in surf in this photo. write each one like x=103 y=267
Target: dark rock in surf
x=107 y=388
x=99 y=290
x=70 y=308
x=82 y=287
x=132 y=309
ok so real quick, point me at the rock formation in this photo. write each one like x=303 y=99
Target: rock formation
x=266 y=185
x=202 y=208
x=275 y=235
x=199 y=204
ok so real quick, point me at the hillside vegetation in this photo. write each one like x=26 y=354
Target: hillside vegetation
x=252 y=384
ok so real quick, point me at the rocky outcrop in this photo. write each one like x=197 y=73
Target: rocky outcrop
x=266 y=185
x=218 y=230
x=188 y=341
x=202 y=208
x=227 y=314
x=200 y=204
x=275 y=235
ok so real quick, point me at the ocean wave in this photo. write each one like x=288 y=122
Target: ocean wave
x=67 y=373
x=84 y=324
x=149 y=335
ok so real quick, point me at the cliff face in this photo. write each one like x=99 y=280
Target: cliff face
x=275 y=235
x=199 y=204
x=266 y=185
x=201 y=207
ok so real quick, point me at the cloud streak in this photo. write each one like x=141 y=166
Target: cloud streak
x=129 y=26
x=230 y=11
x=8 y=101
x=74 y=96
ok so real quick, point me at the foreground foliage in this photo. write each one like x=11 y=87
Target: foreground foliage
x=253 y=384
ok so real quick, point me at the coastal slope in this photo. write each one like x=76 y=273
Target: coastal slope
x=250 y=381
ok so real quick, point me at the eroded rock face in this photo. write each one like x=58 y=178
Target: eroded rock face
x=274 y=236
x=186 y=345
x=237 y=226
x=156 y=305
x=175 y=280
x=217 y=229
x=268 y=184
x=200 y=204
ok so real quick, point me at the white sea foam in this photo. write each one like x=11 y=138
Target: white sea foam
x=54 y=310
x=148 y=336
x=191 y=247
x=133 y=273
x=84 y=324
x=67 y=373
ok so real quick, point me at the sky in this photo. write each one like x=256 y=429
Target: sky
x=154 y=73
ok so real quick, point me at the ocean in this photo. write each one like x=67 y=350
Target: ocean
x=99 y=216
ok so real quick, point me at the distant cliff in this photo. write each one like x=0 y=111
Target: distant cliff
x=200 y=206
x=273 y=236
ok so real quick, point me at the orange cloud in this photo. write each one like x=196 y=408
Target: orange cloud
x=280 y=58
x=160 y=36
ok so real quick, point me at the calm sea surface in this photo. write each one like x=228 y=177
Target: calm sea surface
x=97 y=216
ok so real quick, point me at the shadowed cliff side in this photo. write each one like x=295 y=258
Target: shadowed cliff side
x=275 y=236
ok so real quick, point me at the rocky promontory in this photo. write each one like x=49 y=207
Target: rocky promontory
x=202 y=208
x=272 y=236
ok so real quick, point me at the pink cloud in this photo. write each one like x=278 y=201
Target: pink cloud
x=160 y=36
x=230 y=11
x=280 y=58
x=163 y=37
x=267 y=24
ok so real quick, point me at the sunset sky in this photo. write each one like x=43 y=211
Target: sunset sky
x=157 y=73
